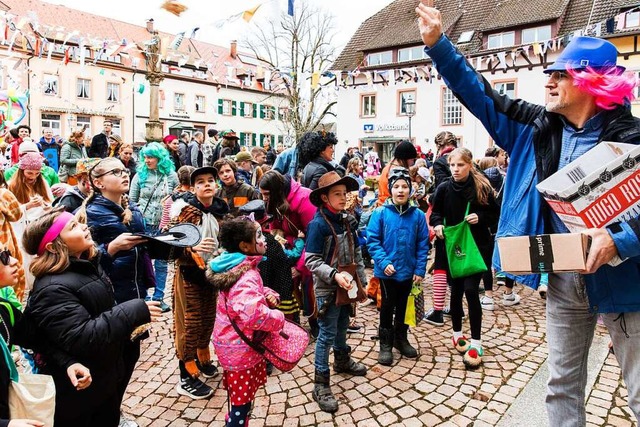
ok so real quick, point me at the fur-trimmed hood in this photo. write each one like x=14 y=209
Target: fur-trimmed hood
x=226 y=269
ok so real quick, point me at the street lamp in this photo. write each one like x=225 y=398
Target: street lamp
x=410 y=111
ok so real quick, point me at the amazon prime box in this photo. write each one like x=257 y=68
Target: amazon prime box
x=544 y=253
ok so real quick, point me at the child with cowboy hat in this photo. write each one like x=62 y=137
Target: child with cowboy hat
x=332 y=241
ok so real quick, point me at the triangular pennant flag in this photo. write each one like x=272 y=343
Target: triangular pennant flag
x=536 y=49
x=247 y=15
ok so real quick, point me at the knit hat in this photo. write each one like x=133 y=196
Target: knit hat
x=28 y=146
x=405 y=151
x=31 y=162
x=398 y=174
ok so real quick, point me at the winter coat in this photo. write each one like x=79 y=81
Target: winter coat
x=10 y=212
x=9 y=315
x=237 y=195
x=321 y=246
x=70 y=154
x=71 y=199
x=301 y=212
x=275 y=268
x=533 y=138
x=51 y=152
x=99 y=146
x=287 y=162
x=399 y=239
x=315 y=169
x=130 y=272
x=70 y=317
x=150 y=194
x=242 y=298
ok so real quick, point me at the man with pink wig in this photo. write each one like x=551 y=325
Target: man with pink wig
x=589 y=102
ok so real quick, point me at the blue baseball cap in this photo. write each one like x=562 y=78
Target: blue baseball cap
x=583 y=52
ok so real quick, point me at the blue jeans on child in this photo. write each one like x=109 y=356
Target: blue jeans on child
x=570 y=330
x=160 y=268
x=333 y=331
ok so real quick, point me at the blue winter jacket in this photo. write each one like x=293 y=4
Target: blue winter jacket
x=129 y=273
x=398 y=239
x=533 y=138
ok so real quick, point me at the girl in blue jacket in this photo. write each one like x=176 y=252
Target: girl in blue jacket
x=398 y=242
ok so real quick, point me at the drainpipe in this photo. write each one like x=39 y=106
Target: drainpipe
x=133 y=100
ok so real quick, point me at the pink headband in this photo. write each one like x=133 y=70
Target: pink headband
x=54 y=231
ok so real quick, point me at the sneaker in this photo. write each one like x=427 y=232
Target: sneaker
x=542 y=291
x=124 y=422
x=510 y=299
x=353 y=327
x=486 y=303
x=473 y=358
x=434 y=317
x=447 y=312
x=462 y=344
x=193 y=388
x=164 y=307
x=208 y=370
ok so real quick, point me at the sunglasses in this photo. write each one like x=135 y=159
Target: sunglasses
x=5 y=257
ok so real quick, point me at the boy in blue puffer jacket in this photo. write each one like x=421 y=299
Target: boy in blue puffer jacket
x=398 y=242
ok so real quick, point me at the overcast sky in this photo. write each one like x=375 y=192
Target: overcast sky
x=349 y=15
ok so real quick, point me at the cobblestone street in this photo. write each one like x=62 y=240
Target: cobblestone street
x=433 y=390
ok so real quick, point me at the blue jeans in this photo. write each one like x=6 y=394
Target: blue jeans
x=160 y=268
x=333 y=331
x=570 y=329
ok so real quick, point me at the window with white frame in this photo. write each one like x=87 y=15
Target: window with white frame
x=178 y=101
x=248 y=109
x=403 y=97
x=501 y=40
x=380 y=58
x=537 y=34
x=116 y=126
x=284 y=112
x=113 y=92
x=227 y=107
x=83 y=89
x=368 y=105
x=51 y=121
x=411 y=54
x=248 y=139
x=451 y=108
x=632 y=19
x=506 y=88
x=84 y=121
x=269 y=112
x=465 y=37
x=50 y=84
x=200 y=103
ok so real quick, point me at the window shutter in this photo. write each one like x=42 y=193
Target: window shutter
x=280 y=139
x=220 y=107
x=242 y=109
x=242 y=135
x=253 y=139
x=233 y=108
x=261 y=111
x=262 y=140
x=254 y=110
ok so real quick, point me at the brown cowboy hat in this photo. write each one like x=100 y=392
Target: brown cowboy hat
x=328 y=180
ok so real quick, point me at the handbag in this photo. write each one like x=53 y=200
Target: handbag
x=463 y=254
x=342 y=295
x=283 y=349
x=31 y=396
x=415 y=305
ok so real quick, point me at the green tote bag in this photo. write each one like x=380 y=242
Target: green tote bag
x=463 y=254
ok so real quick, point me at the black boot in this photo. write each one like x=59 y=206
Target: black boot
x=402 y=343
x=385 y=356
x=322 y=393
x=343 y=363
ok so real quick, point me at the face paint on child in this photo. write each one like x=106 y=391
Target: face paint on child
x=261 y=242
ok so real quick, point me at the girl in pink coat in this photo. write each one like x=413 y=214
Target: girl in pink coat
x=245 y=302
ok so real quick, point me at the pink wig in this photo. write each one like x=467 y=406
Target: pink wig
x=609 y=87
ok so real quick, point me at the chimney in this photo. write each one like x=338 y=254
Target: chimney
x=233 y=51
x=150 y=25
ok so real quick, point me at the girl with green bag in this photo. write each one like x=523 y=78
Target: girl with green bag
x=463 y=209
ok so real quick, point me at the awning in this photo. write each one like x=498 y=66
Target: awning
x=182 y=126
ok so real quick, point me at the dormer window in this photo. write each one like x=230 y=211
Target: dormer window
x=499 y=40
x=411 y=54
x=537 y=34
x=632 y=19
x=380 y=58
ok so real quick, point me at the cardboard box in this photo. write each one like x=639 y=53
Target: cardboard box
x=600 y=187
x=544 y=253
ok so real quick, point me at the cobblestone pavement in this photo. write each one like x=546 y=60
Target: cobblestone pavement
x=433 y=390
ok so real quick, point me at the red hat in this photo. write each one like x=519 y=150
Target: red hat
x=167 y=139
